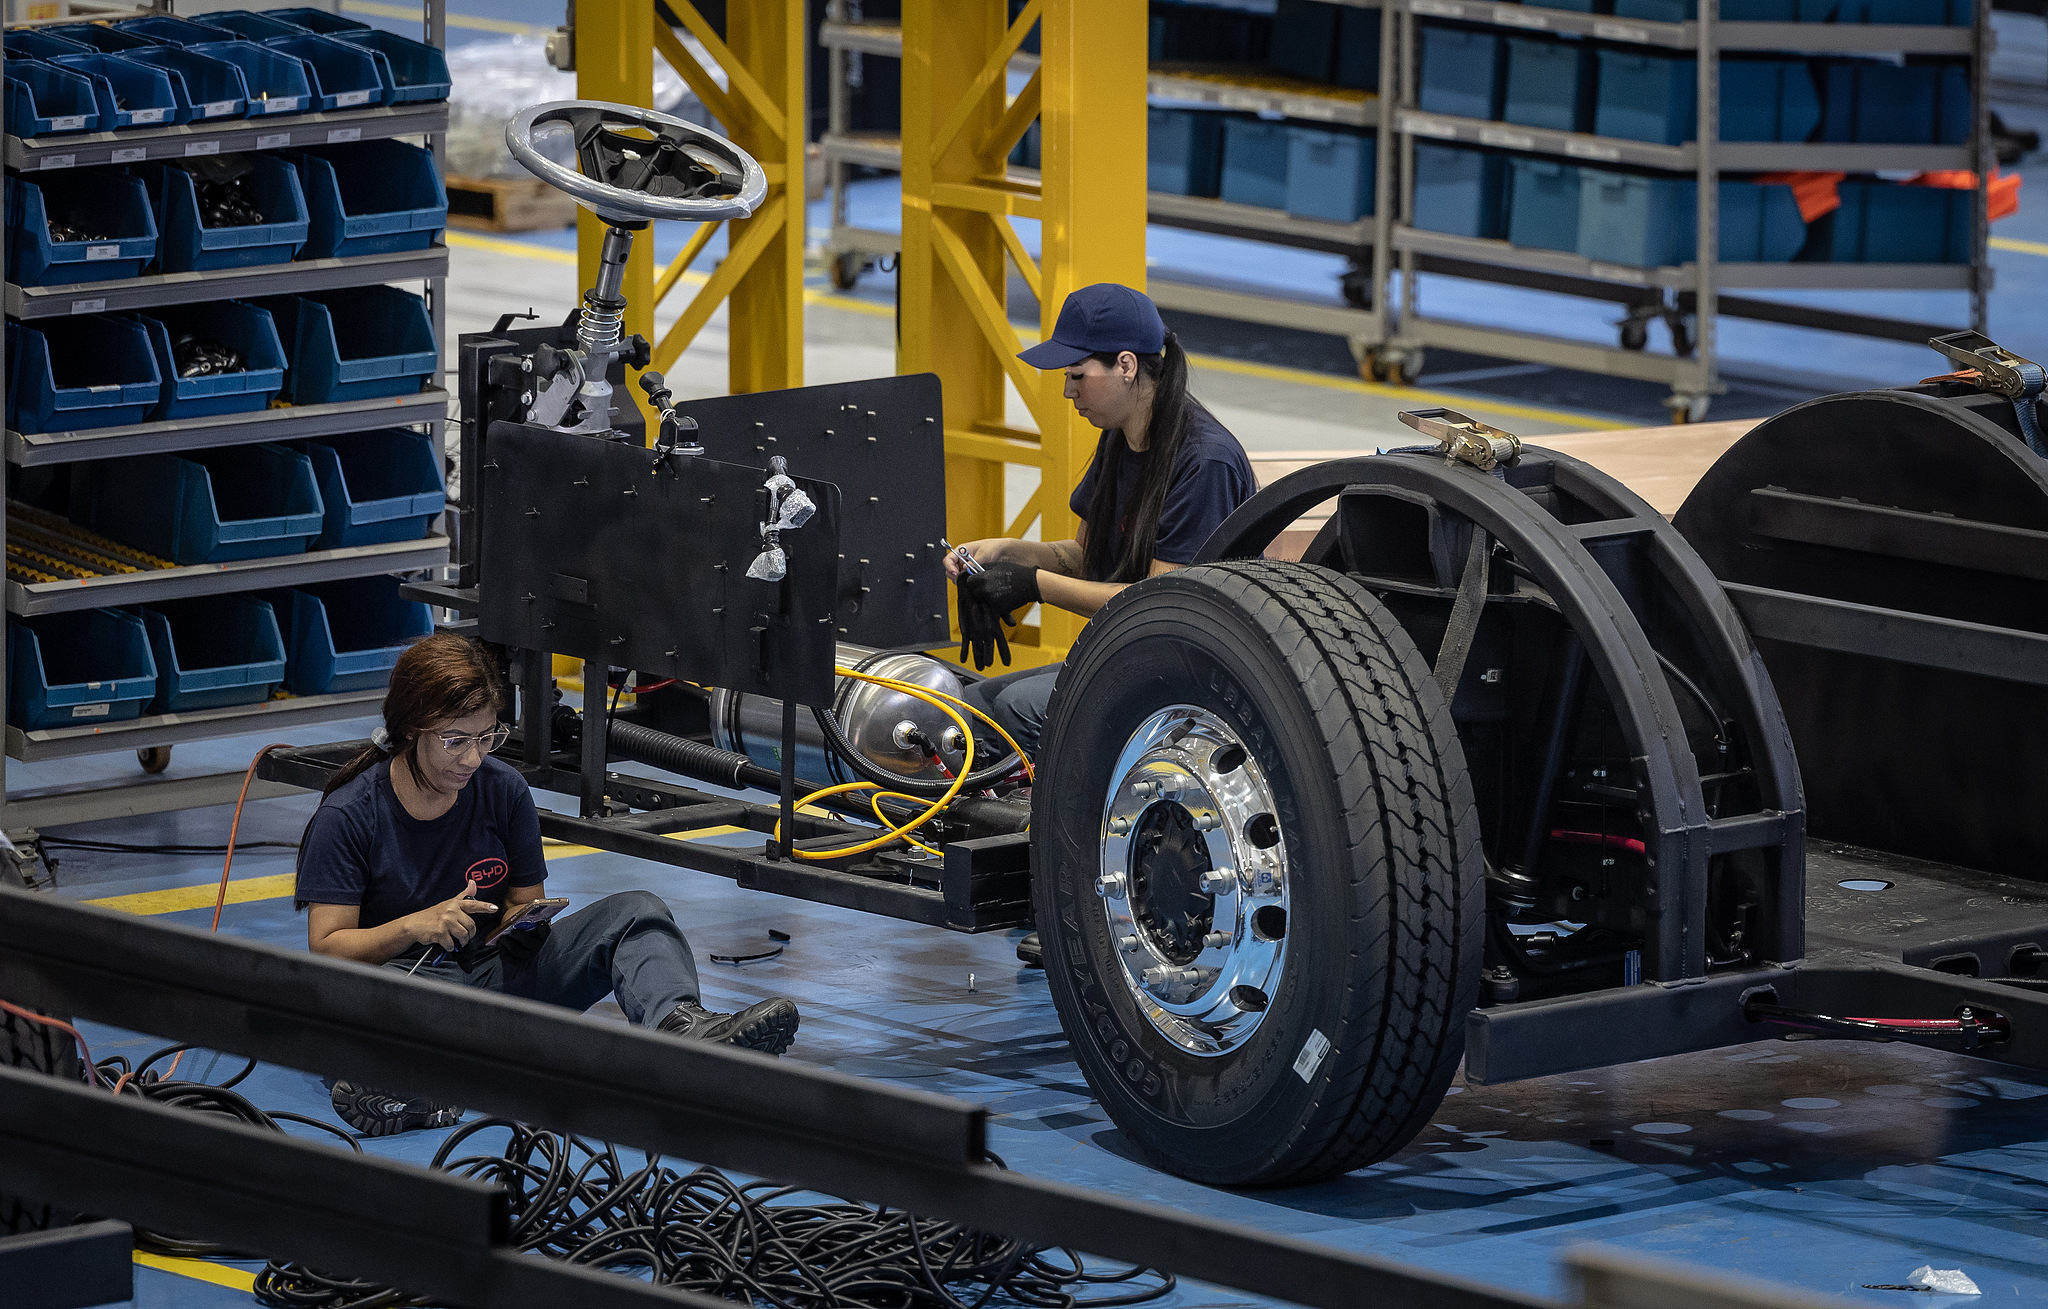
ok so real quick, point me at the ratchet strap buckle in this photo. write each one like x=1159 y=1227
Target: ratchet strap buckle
x=1465 y=440
x=1988 y=366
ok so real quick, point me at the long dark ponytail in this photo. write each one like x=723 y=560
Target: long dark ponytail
x=439 y=678
x=1165 y=434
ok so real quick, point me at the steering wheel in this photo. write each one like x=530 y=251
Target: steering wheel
x=666 y=169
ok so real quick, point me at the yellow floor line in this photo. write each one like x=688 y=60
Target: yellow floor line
x=199 y=1269
x=524 y=249
x=2019 y=247
x=411 y=13
x=242 y=890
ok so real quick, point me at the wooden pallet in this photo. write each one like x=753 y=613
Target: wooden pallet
x=507 y=204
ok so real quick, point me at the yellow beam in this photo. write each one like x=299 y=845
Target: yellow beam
x=615 y=62
x=765 y=62
x=684 y=258
x=994 y=72
x=713 y=96
x=985 y=305
x=760 y=101
x=996 y=449
x=1028 y=514
x=1027 y=268
x=1010 y=128
x=738 y=259
x=984 y=199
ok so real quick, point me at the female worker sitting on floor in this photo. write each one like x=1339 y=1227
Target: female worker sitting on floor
x=1165 y=474
x=423 y=841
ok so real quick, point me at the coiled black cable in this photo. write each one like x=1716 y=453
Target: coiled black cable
x=769 y=1245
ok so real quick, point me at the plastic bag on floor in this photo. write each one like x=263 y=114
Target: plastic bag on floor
x=1948 y=1281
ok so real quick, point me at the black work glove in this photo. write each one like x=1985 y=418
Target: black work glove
x=519 y=946
x=981 y=631
x=987 y=599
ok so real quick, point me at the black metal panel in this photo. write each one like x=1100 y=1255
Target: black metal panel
x=1851 y=987
x=2002 y=653
x=68 y=1267
x=1925 y=913
x=1899 y=533
x=882 y=443
x=610 y=552
x=1539 y=1038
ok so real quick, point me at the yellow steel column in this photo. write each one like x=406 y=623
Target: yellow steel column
x=945 y=43
x=615 y=62
x=1092 y=207
x=765 y=310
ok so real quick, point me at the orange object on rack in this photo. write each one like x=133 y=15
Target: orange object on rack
x=2003 y=201
x=1816 y=193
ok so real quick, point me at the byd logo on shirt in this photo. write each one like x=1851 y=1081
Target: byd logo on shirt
x=487 y=872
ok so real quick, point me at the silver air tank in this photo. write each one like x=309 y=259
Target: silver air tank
x=877 y=720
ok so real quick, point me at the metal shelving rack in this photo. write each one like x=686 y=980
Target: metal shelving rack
x=1222 y=88
x=1395 y=342
x=19 y=816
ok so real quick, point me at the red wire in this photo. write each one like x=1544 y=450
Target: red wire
x=663 y=685
x=91 y=1069
x=1628 y=843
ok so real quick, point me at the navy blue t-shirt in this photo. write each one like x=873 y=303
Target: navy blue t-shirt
x=363 y=849
x=1211 y=479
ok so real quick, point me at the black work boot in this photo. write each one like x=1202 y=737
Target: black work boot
x=768 y=1027
x=387 y=1113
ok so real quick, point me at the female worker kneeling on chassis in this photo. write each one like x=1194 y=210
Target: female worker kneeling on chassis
x=1165 y=475
x=423 y=842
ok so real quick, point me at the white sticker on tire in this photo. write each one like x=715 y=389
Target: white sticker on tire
x=1311 y=1056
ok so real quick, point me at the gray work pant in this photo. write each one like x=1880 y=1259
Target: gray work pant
x=626 y=945
x=1017 y=701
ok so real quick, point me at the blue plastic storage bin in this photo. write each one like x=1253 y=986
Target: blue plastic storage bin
x=1464 y=72
x=378 y=487
x=43 y=99
x=204 y=506
x=34 y=43
x=1330 y=174
x=413 y=71
x=166 y=30
x=1304 y=40
x=101 y=37
x=376 y=197
x=130 y=94
x=1732 y=11
x=1254 y=162
x=1358 y=49
x=214 y=651
x=241 y=327
x=1930 y=13
x=187 y=245
x=1549 y=84
x=346 y=636
x=78 y=669
x=1882 y=222
x=1879 y=103
x=316 y=20
x=207 y=89
x=1576 y=6
x=115 y=205
x=1183 y=151
x=1543 y=204
x=248 y=25
x=1461 y=191
x=354 y=344
x=344 y=76
x=71 y=374
x=278 y=83
x=1627 y=218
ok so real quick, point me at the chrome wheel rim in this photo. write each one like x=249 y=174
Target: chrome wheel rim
x=1193 y=880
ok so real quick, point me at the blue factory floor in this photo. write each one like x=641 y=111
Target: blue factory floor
x=1823 y=1166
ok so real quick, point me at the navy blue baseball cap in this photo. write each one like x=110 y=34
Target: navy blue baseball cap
x=1103 y=317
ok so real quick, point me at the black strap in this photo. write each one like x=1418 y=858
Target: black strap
x=1465 y=612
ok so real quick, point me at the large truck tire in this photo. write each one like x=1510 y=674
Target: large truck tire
x=1258 y=877
x=43 y=1049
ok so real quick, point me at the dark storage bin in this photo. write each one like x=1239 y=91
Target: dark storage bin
x=71 y=374
x=1882 y=222
x=1650 y=97
x=1254 y=162
x=354 y=344
x=345 y=636
x=1330 y=174
x=36 y=43
x=1461 y=191
x=413 y=71
x=43 y=99
x=188 y=245
x=1930 y=13
x=316 y=20
x=1651 y=222
x=214 y=651
x=1184 y=151
x=1543 y=205
x=1358 y=49
x=78 y=669
x=1305 y=40
x=248 y=25
x=378 y=487
x=130 y=94
x=1879 y=103
x=278 y=83
x=206 y=88
x=373 y=198
x=1732 y=11
x=1576 y=6
x=101 y=37
x=1549 y=84
x=1464 y=72
x=344 y=76
x=164 y=30
x=204 y=506
x=113 y=208
x=243 y=328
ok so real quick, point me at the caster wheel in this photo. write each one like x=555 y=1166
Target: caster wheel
x=846 y=270
x=1391 y=367
x=1681 y=338
x=1635 y=334
x=1687 y=408
x=155 y=759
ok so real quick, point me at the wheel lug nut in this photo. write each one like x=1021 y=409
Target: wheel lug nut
x=1129 y=943
x=1110 y=887
x=1119 y=826
x=1145 y=790
x=1207 y=822
x=1217 y=881
x=1216 y=940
